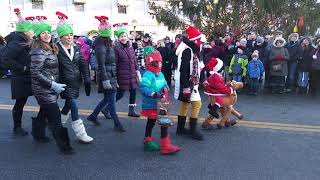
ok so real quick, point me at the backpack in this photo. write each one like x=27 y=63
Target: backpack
x=93 y=60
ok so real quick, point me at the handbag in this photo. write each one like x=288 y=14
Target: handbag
x=277 y=67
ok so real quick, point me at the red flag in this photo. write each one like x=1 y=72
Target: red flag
x=301 y=22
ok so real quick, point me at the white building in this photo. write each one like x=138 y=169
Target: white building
x=81 y=14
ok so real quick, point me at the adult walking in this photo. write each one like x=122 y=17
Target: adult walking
x=45 y=77
x=71 y=65
x=127 y=68
x=107 y=79
x=187 y=77
x=16 y=59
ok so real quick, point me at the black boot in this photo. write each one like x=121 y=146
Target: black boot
x=18 y=130
x=181 y=130
x=39 y=130
x=132 y=112
x=62 y=139
x=106 y=113
x=194 y=134
x=213 y=111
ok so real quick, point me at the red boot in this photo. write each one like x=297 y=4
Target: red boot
x=166 y=147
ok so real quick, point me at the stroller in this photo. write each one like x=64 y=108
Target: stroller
x=278 y=73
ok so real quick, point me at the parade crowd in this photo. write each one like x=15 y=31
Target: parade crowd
x=51 y=68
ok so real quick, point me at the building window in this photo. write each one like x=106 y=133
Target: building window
x=36 y=4
x=122 y=9
x=79 y=7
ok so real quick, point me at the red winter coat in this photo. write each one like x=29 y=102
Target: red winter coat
x=216 y=86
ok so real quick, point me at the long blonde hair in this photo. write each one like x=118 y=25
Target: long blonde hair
x=38 y=43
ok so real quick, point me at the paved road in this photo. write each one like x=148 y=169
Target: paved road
x=269 y=150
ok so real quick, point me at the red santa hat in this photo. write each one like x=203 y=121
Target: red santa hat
x=214 y=65
x=193 y=33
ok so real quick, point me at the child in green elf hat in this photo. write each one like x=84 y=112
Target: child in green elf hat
x=154 y=88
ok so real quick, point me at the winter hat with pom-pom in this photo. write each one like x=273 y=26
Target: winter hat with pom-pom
x=40 y=26
x=121 y=28
x=63 y=28
x=105 y=29
x=22 y=24
x=151 y=55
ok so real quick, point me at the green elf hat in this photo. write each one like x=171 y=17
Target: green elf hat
x=152 y=55
x=104 y=29
x=63 y=28
x=120 y=29
x=22 y=25
x=40 y=26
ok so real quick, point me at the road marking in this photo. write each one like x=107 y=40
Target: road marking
x=243 y=123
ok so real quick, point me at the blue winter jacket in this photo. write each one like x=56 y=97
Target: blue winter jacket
x=255 y=69
x=151 y=83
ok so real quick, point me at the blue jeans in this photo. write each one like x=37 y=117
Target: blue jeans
x=254 y=85
x=71 y=104
x=109 y=100
x=237 y=78
x=292 y=75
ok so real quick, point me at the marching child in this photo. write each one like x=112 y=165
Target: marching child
x=153 y=87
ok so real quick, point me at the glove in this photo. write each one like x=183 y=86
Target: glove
x=106 y=84
x=279 y=57
x=186 y=92
x=157 y=95
x=260 y=80
x=57 y=87
x=87 y=88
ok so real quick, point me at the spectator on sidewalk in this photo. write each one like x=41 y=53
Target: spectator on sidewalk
x=255 y=73
x=304 y=65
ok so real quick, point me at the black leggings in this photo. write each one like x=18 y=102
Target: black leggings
x=150 y=125
x=132 y=98
x=52 y=113
x=18 y=106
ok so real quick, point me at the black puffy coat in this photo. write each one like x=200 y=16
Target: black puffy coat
x=69 y=71
x=15 y=57
x=295 y=51
x=107 y=69
x=304 y=64
x=44 y=69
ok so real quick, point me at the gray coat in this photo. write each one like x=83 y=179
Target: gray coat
x=44 y=69
x=279 y=57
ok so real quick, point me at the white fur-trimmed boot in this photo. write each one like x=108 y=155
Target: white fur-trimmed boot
x=80 y=131
x=64 y=118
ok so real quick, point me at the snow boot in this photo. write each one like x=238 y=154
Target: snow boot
x=132 y=112
x=194 y=134
x=18 y=130
x=181 y=130
x=166 y=147
x=80 y=131
x=149 y=145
